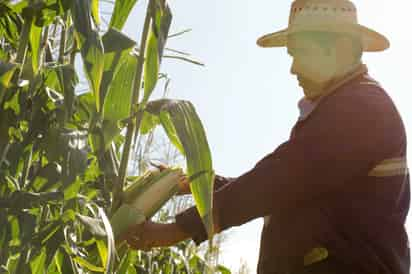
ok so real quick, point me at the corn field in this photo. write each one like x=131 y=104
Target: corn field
x=64 y=154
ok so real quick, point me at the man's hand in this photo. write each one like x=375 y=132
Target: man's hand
x=184 y=184
x=149 y=234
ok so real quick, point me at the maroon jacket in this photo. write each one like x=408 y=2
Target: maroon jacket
x=318 y=191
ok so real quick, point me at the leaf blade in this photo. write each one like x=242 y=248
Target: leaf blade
x=121 y=11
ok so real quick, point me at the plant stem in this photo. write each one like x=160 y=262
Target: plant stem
x=62 y=40
x=22 y=265
x=4 y=153
x=43 y=45
x=24 y=40
x=131 y=127
x=26 y=168
x=73 y=53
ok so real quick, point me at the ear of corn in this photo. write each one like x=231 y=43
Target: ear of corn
x=144 y=197
x=125 y=217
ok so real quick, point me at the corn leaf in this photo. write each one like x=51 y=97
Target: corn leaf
x=95 y=11
x=91 y=46
x=35 y=36
x=161 y=20
x=87 y=265
x=121 y=11
x=37 y=265
x=117 y=104
x=111 y=249
x=170 y=130
x=101 y=248
x=63 y=78
x=93 y=60
x=151 y=66
x=58 y=260
x=6 y=73
x=149 y=122
x=125 y=263
x=93 y=225
x=117 y=47
x=10 y=23
x=185 y=127
x=68 y=80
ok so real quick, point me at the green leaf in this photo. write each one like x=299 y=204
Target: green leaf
x=116 y=41
x=10 y=24
x=122 y=9
x=6 y=73
x=163 y=21
x=101 y=247
x=223 y=270
x=91 y=46
x=58 y=260
x=170 y=130
x=93 y=60
x=111 y=248
x=52 y=245
x=117 y=47
x=87 y=265
x=149 y=122
x=87 y=102
x=151 y=66
x=95 y=11
x=37 y=265
x=185 y=130
x=117 y=104
x=68 y=80
x=71 y=189
x=35 y=37
x=93 y=225
x=63 y=78
x=13 y=104
x=21 y=199
x=125 y=263
x=51 y=173
x=193 y=138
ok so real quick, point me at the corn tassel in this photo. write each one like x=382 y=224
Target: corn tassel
x=144 y=197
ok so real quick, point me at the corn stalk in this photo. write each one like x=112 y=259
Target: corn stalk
x=135 y=111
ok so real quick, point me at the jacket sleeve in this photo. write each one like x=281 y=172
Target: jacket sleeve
x=221 y=181
x=344 y=138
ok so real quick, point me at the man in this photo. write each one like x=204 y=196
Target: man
x=336 y=194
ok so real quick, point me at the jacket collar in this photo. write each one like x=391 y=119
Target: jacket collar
x=306 y=106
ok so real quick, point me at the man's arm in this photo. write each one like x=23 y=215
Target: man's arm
x=344 y=138
x=219 y=182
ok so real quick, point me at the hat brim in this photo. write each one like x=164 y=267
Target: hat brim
x=371 y=40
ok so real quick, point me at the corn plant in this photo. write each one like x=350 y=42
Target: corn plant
x=63 y=157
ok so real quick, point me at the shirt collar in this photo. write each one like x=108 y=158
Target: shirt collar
x=307 y=106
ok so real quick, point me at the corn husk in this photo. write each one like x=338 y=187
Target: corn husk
x=144 y=197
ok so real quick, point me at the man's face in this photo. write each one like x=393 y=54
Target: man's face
x=314 y=64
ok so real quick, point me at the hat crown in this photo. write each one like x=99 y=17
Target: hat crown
x=304 y=12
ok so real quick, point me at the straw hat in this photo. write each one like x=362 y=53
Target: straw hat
x=338 y=16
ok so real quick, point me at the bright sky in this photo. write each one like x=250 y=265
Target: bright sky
x=245 y=95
